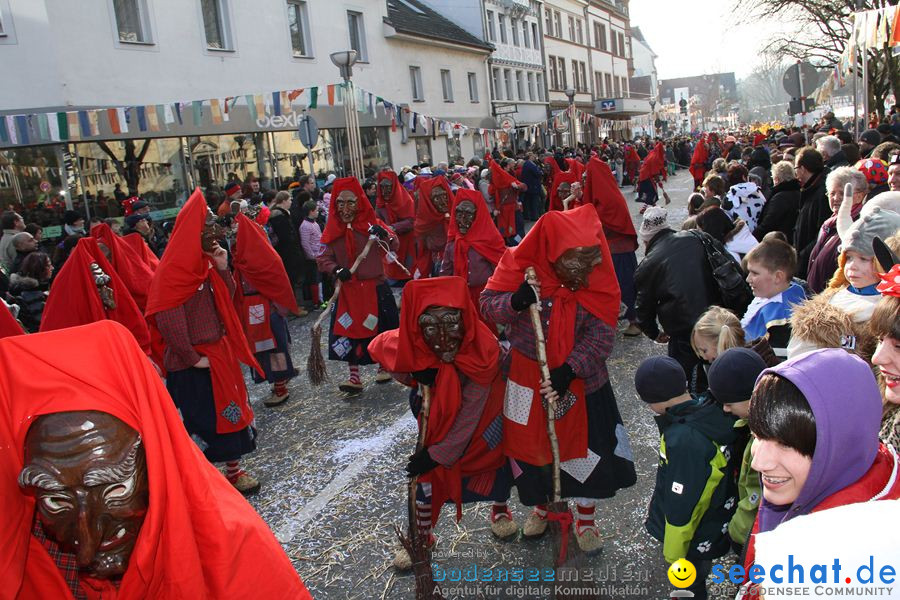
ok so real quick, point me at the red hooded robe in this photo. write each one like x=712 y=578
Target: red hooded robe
x=134 y=271
x=570 y=177
x=698 y=161
x=256 y=262
x=505 y=199
x=190 y=546
x=482 y=237
x=182 y=271
x=553 y=234
x=8 y=324
x=404 y=350
x=430 y=224
x=398 y=207
x=137 y=242
x=654 y=165
x=601 y=190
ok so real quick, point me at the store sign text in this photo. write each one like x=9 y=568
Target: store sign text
x=278 y=122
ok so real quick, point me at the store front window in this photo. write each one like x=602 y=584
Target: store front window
x=454 y=150
x=423 y=150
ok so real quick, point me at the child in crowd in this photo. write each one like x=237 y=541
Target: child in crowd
x=771 y=267
x=694 y=496
x=310 y=236
x=732 y=377
x=714 y=332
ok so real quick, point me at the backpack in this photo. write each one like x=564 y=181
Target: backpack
x=734 y=290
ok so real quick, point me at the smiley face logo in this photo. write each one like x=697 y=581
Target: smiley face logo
x=682 y=573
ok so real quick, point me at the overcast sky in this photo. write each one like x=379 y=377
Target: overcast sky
x=694 y=37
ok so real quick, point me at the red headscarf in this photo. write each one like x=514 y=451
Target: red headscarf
x=601 y=190
x=400 y=205
x=482 y=236
x=404 y=350
x=427 y=217
x=554 y=167
x=655 y=164
x=75 y=299
x=500 y=178
x=570 y=176
x=8 y=324
x=553 y=234
x=200 y=538
x=139 y=245
x=182 y=271
x=577 y=166
x=135 y=273
x=365 y=216
x=259 y=263
x=699 y=158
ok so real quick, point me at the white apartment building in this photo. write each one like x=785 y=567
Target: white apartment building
x=59 y=55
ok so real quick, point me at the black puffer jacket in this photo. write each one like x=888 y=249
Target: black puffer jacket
x=674 y=284
x=814 y=209
x=780 y=212
x=31 y=296
x=287 y=243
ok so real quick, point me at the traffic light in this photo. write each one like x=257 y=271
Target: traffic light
x=683 y=104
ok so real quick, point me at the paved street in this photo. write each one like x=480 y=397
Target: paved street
x=334 y=485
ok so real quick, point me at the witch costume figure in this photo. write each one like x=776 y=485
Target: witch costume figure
x=579 y=306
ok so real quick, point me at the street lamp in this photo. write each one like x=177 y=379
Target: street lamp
x=653 y=115
x=344 y=61
x=570 y=94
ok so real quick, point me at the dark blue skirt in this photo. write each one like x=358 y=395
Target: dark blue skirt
x=191 y=389
x=356 y=351
x=276 y=363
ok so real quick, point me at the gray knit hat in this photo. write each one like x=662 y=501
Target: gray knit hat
x=655 y=220
x=876 y=219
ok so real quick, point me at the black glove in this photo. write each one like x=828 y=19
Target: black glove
x=523 y=297
x=379 y=231
x=425 y=376
x=560 y=378
x=343 y=274
x=420 y=463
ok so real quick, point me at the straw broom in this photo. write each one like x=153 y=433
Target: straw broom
x=414 y=543
x=315 y=363
x=558 y=513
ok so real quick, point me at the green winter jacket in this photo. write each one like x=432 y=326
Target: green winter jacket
x=694 y=496
x=749 y=491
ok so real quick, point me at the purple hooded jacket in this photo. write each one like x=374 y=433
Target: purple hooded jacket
x=844 y=397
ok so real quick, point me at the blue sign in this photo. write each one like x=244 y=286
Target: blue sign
x=607 y=105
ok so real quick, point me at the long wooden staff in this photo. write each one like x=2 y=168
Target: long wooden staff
x=315 y=363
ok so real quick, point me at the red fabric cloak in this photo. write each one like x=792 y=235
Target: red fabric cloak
x=200 y=539
x=500 y=182
x=259 y=263
x=570 y=176
x=135 y=273
x=182 y=271
x=143 y=250
x=698 y=160
x=482 y=237
x=427 y=217
x=654 y=165
x=404 y=350
x=75 y=299
x=365 y=217
x=601 y=190
x=553 y=234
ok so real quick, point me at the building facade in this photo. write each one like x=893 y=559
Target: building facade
x=62 y=56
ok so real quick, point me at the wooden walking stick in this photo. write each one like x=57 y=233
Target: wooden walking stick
x=416 y=545
x=558 y=513
x=315 y=363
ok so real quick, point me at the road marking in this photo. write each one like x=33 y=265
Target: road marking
x=377 y=444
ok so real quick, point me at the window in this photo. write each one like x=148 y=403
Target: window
x=557 y=22
x=548 y=21
x=535 y=37
x=598 y=84
x=531 y=95
x=525 y=39
x=2 y=32
x=621 y=44
x=492 y=33
x=131 y=21
x=514 y=27
x=612 y=42
x=446 y=85
x=600 y=36
x=575 y=83
x=415 y=81
x=215 y=25
x=617 y=88
x=495 y=81
x=473 y=87
x=423 y=150
x=520 y=85
x=501 y=24
x=298 y=24
x=357 y=35
x=507 y=80
x=608 y=87
x=478 y=144
x=582 y=70
x=625 y=87
x=454 y=150
x=563 y=82
x=579 y=29
x=540 y=86
x=554 y=75
x=572 y=28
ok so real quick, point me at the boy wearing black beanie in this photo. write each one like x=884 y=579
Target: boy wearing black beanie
x=694 y=496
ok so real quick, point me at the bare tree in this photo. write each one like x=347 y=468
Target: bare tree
x=762 y=96
x=819 y=30
x=128 y=167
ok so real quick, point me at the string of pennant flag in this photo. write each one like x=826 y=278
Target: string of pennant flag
x=84 y=125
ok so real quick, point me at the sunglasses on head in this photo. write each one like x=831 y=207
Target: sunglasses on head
x=894 y=159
